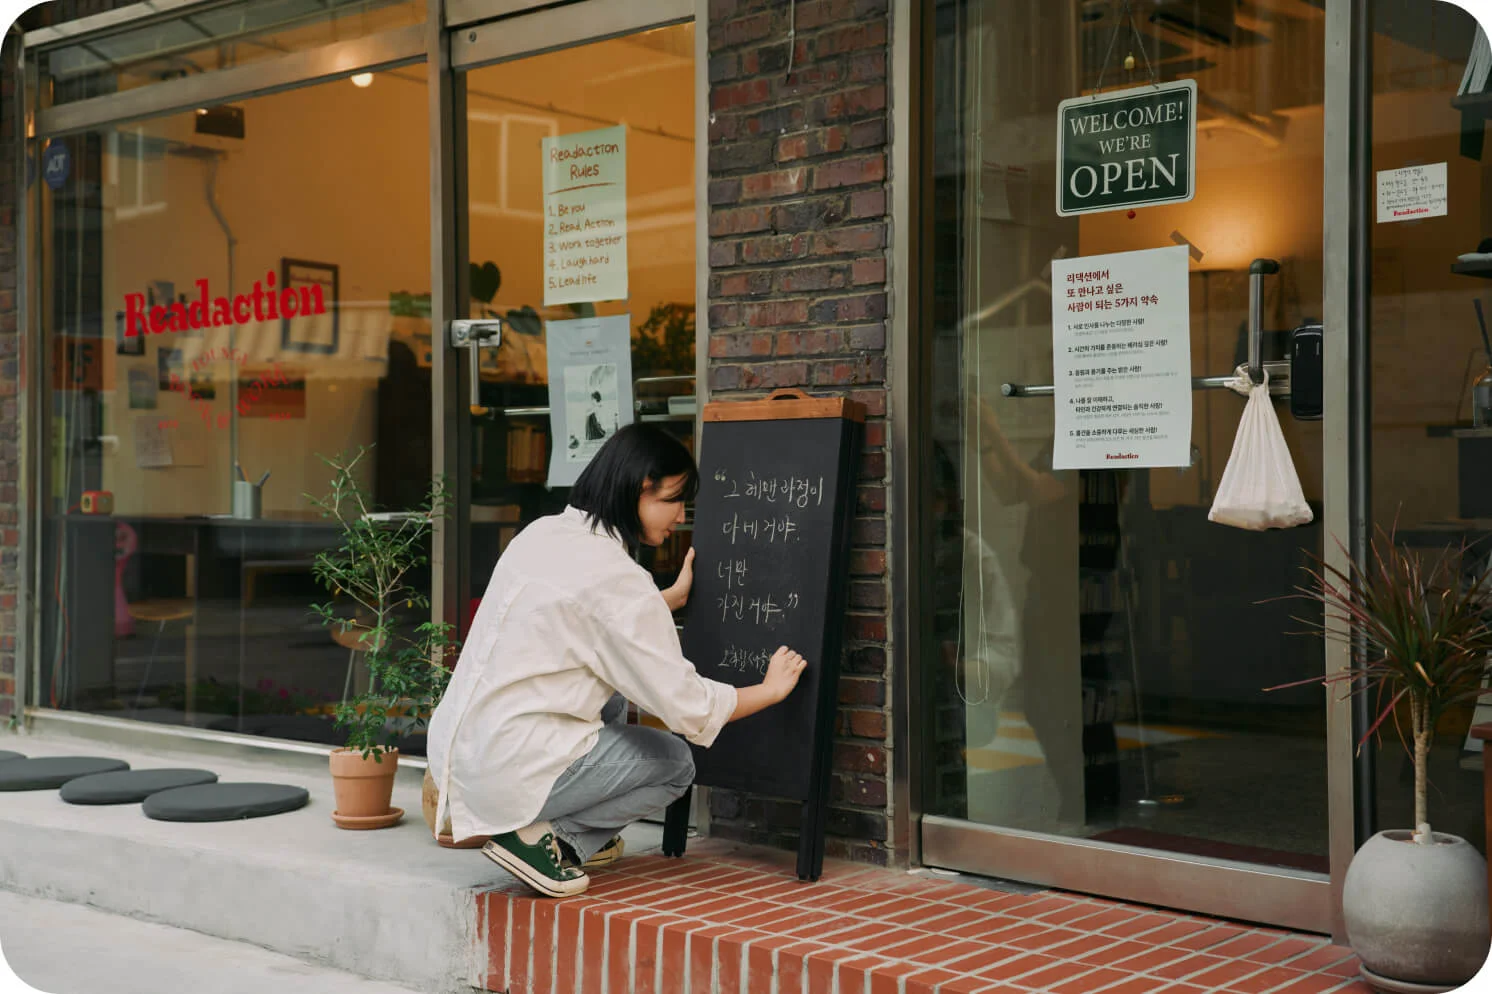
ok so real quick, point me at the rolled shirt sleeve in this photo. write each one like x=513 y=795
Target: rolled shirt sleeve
x=639 y=655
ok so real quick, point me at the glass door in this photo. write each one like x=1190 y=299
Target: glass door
x=578 y=236
x=1096 y=652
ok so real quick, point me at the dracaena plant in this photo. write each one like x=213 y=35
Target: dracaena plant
x=1420 y=636
x=407 y=668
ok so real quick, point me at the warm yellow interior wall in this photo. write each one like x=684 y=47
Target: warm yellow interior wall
x=340 y=174
x=1253 y=201
x=335 y=174
x=644 y=81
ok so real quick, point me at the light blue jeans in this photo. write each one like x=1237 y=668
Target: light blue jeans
x=632 y=772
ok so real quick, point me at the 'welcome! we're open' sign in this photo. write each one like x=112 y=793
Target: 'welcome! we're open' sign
x=1129 y=148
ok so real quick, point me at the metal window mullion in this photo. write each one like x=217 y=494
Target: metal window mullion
x=560 y=27
x=386 y=50
x=1343 y=433
x=28 y=404
x=450 y=425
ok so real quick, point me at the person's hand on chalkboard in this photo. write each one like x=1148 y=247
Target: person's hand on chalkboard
x=677 y=595
x=783 y=671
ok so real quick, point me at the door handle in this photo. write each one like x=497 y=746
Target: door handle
x=473 y=335
x=1258 y=269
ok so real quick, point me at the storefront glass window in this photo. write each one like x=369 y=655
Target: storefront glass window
x=1097 y=652
x=610 y=236
x=1431 y=451
x=170 y=375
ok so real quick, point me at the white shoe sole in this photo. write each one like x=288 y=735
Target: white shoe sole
x=533 y=878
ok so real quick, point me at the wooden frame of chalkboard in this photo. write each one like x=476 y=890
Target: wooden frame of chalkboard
x=772 y=539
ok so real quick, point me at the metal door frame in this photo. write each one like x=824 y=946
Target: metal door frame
x=1291 y=898
x=463 y=35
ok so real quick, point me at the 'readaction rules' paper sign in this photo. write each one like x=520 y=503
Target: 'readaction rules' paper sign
x=585 y=217
x=1121 y=360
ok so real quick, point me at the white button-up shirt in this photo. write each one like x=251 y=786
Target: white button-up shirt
x=568 y=619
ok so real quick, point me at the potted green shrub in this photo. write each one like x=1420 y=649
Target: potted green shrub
x=407 y=662
x=1414 y=901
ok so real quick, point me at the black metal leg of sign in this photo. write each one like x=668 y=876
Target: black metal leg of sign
x=811 y=841
x=812 y=829
x=676 y=825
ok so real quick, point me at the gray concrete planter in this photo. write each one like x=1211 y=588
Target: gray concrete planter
x=1417 y=914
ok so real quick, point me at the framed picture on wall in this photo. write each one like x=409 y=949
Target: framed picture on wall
x=314 y=327
x=127 y=345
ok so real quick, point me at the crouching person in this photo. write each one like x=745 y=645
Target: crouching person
x=530 y=745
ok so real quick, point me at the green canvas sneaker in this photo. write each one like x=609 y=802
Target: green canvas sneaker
x=539 y=865
x=608 y=854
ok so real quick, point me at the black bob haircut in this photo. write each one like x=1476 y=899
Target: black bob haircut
x=637 y=457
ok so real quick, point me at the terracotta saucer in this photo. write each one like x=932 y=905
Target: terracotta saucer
x=390 y=817
x=475 y=842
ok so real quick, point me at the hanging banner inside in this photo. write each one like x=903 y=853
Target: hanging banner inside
x=590 y=390
x=585 y=217
x=1121 y=360
x=1129 y=148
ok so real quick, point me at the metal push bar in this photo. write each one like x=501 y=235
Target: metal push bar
x=1279 y=372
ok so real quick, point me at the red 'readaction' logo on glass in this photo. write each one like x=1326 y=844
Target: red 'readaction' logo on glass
x=218 y=312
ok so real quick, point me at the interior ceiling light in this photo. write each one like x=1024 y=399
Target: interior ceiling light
x=362 y=79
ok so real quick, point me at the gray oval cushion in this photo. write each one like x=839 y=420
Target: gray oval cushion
x=225 y=801
x=6 y=754
x=130 y=786
x=51 y=772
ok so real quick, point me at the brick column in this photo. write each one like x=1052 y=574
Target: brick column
x=798 y=298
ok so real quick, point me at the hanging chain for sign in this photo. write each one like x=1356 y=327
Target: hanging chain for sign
x=1126 y=16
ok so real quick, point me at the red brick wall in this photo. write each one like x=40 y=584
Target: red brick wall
x=798 y=298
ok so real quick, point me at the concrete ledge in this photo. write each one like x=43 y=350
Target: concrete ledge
x=389 y=905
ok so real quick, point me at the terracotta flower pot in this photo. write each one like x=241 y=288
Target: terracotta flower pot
x=429 y=801
x=364 y=788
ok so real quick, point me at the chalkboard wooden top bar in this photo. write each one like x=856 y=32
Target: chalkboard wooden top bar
x=785 y=405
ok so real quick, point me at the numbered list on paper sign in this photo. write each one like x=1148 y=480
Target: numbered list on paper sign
x=1121 y=360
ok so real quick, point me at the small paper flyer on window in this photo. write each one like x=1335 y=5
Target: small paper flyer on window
x=1121 y=360
x=590 y=390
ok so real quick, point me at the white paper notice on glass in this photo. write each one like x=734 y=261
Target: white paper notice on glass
x=590 y=390
x=1412 y=193
x=1121 y=360
x=585 y=217
x=152 y=444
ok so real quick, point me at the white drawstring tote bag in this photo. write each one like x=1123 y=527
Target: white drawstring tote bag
x=1259 y=488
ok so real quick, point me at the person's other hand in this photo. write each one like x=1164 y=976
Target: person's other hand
x=678 y=594
x=783 y=671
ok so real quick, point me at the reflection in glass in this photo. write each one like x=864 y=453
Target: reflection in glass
x=185 y=605
x=1429 y=459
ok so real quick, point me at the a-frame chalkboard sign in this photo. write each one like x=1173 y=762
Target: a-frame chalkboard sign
x=771 y=539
